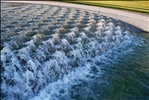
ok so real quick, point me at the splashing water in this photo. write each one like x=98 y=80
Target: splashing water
x=44 y=58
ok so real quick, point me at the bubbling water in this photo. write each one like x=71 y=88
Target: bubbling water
x=53 y=55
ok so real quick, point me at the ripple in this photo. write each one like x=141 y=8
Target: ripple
x=56 y=48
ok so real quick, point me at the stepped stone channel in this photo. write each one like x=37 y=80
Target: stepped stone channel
x=41 y=43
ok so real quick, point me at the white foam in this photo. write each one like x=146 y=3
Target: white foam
x=47 y=68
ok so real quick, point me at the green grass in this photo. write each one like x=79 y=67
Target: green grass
x=136 y=6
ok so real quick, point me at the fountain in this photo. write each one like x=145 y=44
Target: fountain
x=51 y=49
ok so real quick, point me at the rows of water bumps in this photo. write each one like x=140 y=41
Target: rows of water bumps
x=39 y=44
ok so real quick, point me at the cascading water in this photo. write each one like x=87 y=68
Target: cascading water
x=47 y=52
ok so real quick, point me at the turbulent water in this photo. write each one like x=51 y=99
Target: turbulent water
x=57 y=53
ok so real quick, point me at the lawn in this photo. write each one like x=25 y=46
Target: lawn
x=136 y=6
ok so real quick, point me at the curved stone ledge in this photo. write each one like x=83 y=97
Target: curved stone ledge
x=137 y=20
